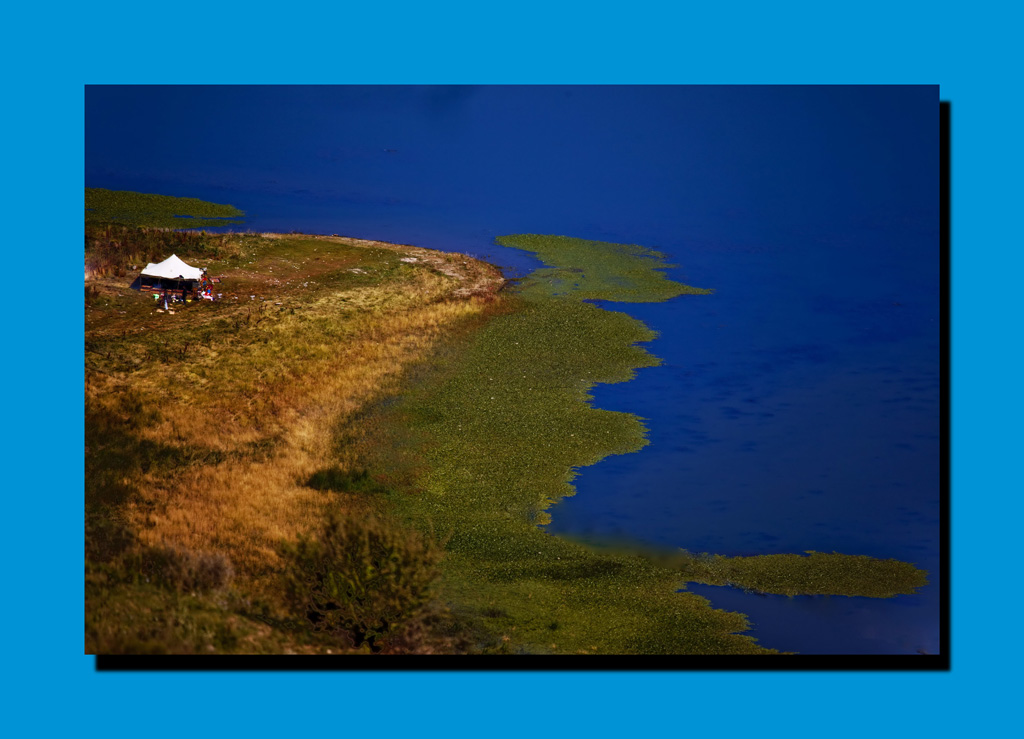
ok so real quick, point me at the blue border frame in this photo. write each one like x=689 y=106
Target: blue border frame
x=55 y=52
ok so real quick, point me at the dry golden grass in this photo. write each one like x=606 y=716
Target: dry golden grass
x=256 y=393
x=245 y=507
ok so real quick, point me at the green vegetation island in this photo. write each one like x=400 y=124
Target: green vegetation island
x=354 y=448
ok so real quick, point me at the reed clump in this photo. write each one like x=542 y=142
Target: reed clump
x=113 y=249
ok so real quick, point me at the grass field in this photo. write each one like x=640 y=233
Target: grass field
x=355 y=448
x=207 y=428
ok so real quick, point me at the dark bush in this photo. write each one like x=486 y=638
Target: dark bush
x=183 y=570
x=106 y=537
x=344 y=481
x=363 y=579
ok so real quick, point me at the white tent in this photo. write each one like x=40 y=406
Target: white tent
x=172 y=268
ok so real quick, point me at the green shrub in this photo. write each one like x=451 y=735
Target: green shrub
x=362 y=579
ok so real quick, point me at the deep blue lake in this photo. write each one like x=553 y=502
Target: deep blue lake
x=797 y=408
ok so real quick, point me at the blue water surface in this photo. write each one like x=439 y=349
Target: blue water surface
x=796 y=408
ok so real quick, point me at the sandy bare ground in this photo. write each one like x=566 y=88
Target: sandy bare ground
x=474 y=277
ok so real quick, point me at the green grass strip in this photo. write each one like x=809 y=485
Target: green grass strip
x=817 y=573
x=598 y=270
x=156 y=211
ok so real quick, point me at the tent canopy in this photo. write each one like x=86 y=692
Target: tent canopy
x=172 y=268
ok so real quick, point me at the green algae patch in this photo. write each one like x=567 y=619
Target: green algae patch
x=815 y=574
x=599 y=270
x=155 y=211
